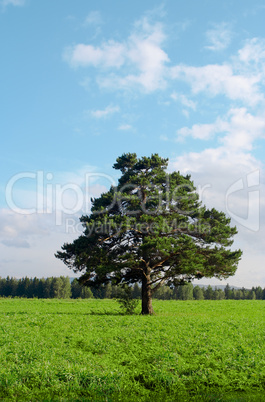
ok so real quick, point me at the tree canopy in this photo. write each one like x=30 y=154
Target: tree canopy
x=151 y=229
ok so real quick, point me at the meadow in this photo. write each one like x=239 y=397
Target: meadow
x=86 y=350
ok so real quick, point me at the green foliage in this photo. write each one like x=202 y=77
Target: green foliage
x=126 y=301
x=164 y=293
x=46 y=288
x=198 y=293
x=184 y=292
x=136 y=292
x=189 y=351
x=54 y=287
x=209 y=293
x=151 y=229
x=79 y=291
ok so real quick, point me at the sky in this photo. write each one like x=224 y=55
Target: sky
x=84 y=82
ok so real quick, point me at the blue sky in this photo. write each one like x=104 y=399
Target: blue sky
x=83 y=82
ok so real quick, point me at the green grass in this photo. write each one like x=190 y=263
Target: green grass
x=84 y=350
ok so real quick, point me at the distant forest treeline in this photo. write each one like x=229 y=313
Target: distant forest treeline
x=62 y=288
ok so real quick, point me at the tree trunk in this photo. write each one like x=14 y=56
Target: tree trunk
x=147 y=307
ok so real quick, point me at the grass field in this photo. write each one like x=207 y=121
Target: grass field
x=86 y=350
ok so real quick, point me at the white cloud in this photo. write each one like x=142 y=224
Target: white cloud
x=139 y=61
x=6 y=3
x=17 y=243
x=35 y=237
x=214 y=166
x=220 y=80
x=239 y=129
x=231 y=179
x=224 y=179
x=198 y=131
x=216 y=172
x=146 y=54
x=110 y=54
x=125 y=127
x=184 y=100
x=32 y=239
x=17 y=229
x=242 y=129
x=239 y=79
x=37 y=260
x=219 y=37
x=108 y=111
x=141 y=54
x=93 y=18
x=253 y=51
x=164 y=137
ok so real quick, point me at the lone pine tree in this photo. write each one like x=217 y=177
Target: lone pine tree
x=151 y=229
